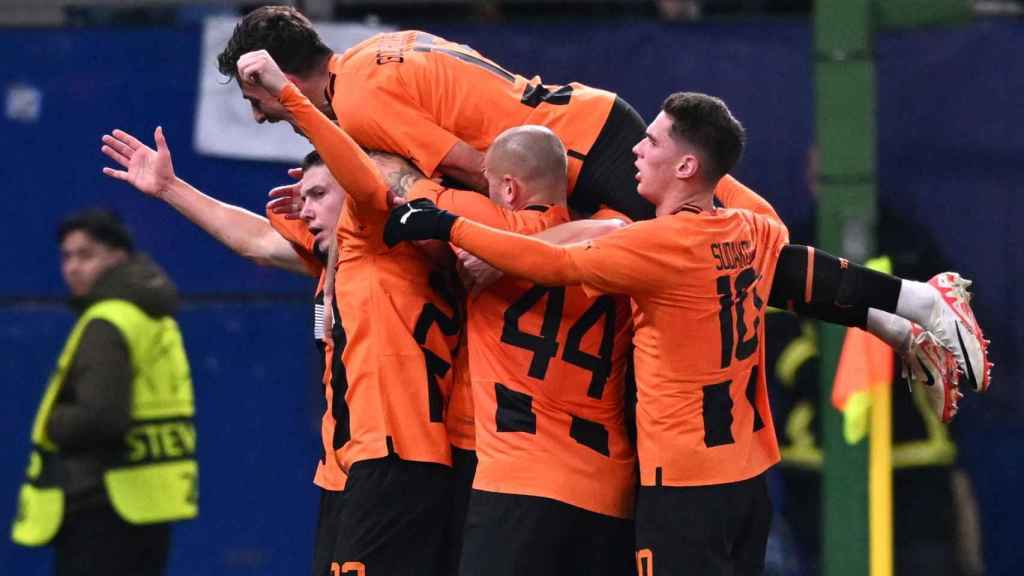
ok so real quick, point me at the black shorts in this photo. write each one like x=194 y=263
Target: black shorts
x=714 y=530
x=464 y=468
x=394 y=521
x=511 y=535
x=608 y=175
x=94 y=540
x=332 y=504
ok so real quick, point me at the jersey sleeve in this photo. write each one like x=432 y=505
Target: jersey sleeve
x=300 y=239
x=478 y=208
x=622 y=262
x=610 y=264
x=390 y=120
x=349 y=165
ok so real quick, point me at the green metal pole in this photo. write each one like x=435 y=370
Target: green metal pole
x=846 y=184
x=845 y=131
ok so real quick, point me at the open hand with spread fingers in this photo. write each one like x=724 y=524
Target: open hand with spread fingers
x=150 y=171
x=287 y=200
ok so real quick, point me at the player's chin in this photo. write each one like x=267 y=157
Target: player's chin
x=643 y=191
x=323 y=242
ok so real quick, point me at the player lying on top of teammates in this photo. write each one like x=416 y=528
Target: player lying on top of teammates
x=441 y=104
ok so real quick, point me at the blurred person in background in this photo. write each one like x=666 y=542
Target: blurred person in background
x=113 y=443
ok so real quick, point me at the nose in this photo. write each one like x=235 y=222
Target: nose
x=636 y=148
x=306 y=211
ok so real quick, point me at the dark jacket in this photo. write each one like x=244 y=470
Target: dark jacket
x=93 y=411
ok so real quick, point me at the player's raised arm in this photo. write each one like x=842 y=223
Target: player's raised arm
x=352 y=168
x=346 y=160
x=152 y=173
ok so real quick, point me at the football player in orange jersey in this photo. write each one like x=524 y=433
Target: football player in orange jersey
x=700 y=277
x=540 y=504
x=441 y=104
x=553 y=492
x=295 y=245
x=400 y=326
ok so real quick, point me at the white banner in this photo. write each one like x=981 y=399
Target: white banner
x=224 y=123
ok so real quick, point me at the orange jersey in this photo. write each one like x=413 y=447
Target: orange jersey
x=329 y=474
x=459 y=416
x=548 y=368
x=699 y=282
x=303 y=243
x=416 y=95
x=398 y=319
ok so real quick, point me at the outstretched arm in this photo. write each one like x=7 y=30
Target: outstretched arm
x=476 y=275
x=152 y=173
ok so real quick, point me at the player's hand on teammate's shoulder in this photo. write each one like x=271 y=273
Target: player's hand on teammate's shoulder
x=150 y=171
x=418 y=220
x=259 y=68
x=287 y=200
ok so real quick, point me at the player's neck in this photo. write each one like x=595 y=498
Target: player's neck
x=540 y=198
x=316 y=87
x=701 y=197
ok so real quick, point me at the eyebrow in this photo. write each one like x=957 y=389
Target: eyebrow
x=651 y=137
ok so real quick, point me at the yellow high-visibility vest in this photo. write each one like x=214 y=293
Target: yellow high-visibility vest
x=156 y=476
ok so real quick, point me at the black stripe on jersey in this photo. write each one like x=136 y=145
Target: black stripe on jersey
x=752 y=397
x=515 y=410
x=591 y=434
x=537 y=207
x=339 y=382
x=717 y=415
x=574 y=154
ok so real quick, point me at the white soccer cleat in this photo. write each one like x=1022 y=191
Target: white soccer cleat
x=952 y=322
x=927 y=363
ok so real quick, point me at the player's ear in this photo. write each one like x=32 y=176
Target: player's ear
x=687 y=166
x=511 y=190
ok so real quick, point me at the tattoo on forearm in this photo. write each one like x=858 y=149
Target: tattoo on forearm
x=398 y=172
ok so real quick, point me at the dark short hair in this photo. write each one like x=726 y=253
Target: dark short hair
x=282 y=31
x=312 y=159
x=102 y=226
x=706 y=123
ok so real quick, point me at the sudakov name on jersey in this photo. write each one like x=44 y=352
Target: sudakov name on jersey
x=732 y=255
